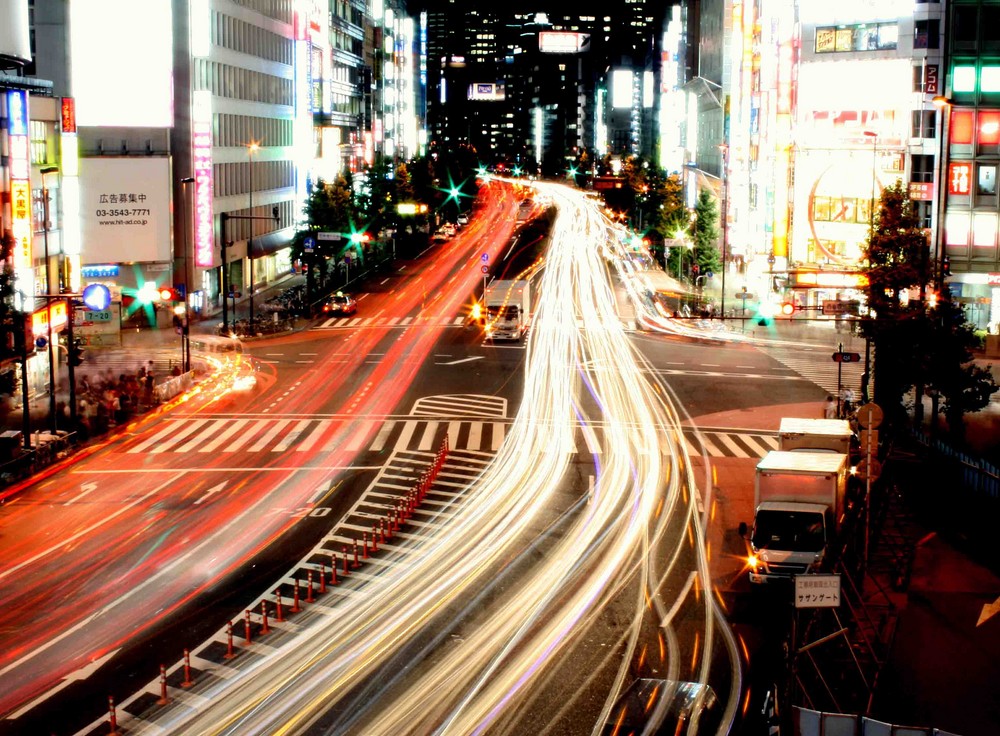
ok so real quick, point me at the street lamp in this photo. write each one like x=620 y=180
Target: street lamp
x=187 y=281
x=725 y=229
x=251 y=150
x=943 y=104
x=48 y=302
x=871 y=206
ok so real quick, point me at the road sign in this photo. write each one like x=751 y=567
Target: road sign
x=485 y=257
x=485 y=269
x=836 y=306
x=864 y=436
x=869 y=416
x=817 y=591
x=96 y=297
x=329 y=236
x=868 y=470
x=709 y=274
x=309 y=244
x=842 y=357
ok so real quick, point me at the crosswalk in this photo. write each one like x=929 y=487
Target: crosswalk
x=337 y=323
x=273 y=435
x=821 y=369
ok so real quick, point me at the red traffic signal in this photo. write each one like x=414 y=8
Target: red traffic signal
x=171 y=293
x=787 y=309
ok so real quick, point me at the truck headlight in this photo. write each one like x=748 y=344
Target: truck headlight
x=753 y=562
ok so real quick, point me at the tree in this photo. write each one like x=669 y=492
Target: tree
x=705 y=234
x=916 y=345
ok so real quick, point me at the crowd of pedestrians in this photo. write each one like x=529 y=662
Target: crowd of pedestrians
x=104 y=400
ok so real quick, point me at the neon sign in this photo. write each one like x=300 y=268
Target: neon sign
x=204 y=234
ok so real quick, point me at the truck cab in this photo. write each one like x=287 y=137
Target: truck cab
x=799 y=498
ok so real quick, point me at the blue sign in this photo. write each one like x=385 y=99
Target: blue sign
x=109 y=270
x=308 y=244
x=709 y=274
x=17 y=112
x=96 y=297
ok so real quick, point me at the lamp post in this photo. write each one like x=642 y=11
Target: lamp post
x=186 y=334
x=943 y=104
x=48 y=302
x=251 y=149
x=867 y=375
x=223 y=226
x=871 y=206
x=725 y=229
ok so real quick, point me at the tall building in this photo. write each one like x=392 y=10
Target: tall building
x=971 y=157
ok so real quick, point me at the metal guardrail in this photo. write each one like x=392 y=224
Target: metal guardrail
x=977 y=476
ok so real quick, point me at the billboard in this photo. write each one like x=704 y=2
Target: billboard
x=106 y=39
x=558 y=42
x=489 y=91
x=125 y=209
x=14 y=41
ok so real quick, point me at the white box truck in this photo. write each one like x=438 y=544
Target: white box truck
x=830 y=435
x=799 y=501
x=508 y=309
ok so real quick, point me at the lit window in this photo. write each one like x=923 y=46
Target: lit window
x=956 y=228
x=984 y=233
x=989 y=128
x=962 y=125
x=989 y=79
x=964 y=79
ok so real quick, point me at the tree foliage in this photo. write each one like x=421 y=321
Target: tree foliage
x=918 y=343
x=705 y=233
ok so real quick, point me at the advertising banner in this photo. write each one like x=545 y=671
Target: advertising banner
x=14 y=39
x=493 y=92
x=125 y=209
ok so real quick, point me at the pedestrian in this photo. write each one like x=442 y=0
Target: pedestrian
x=830 y=408
x=847 y=401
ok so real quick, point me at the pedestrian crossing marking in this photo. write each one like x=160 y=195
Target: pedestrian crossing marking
x=268 y=436
x=417 y=436
x=226 y=434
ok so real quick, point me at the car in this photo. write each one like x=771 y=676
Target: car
x=439 y=236
x=449 y=229
x=463 y=219
x=340 y=303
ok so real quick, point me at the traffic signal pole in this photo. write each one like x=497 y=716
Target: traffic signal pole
x=70 y=360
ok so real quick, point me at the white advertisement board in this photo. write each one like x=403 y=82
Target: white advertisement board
x=125 y=209
x=121 y=62
x=489 y=91
x=14 y=43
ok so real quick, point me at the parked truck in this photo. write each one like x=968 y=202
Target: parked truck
x=829 y=435
x=799 y=501
x=508 y=309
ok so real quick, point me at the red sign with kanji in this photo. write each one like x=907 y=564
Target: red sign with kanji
x=959 y=178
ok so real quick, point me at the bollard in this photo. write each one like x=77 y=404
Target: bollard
x=229 y=635
x=112 y=716
x=322 y=578
x=279 y=616
x=346 y=571
x=365 y=547
x=295 y=597
x=333 y=569
x=386 y=529
x=374 y=540
x=264 y=628
x=246 y=625
x=355 y=564
x=309 y=590
x=188 y=682
x=163 y=686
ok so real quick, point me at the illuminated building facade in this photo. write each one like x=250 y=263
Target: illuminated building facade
x=972 y=160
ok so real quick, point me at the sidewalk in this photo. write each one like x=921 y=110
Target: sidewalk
x=939 y=653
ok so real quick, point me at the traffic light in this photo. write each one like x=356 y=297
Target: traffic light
x=74 y=354
x=171 y=293
x=787 y=309
x=946 y=265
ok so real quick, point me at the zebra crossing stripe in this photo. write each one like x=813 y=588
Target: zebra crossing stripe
x=355 y=322
x=475 y=435
x=311 y=440
x=458 y=321
x=166 y=444
x=289 y=438
x=162 y=434
x=760 y=444
x=427 y=440
x=225 y=435
x=498 y=435
x=357 y=440
x=209 y=428
x=265 y=440
x=728 y=442
x=394 y=321
x=407 y=321
x=382 y=436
